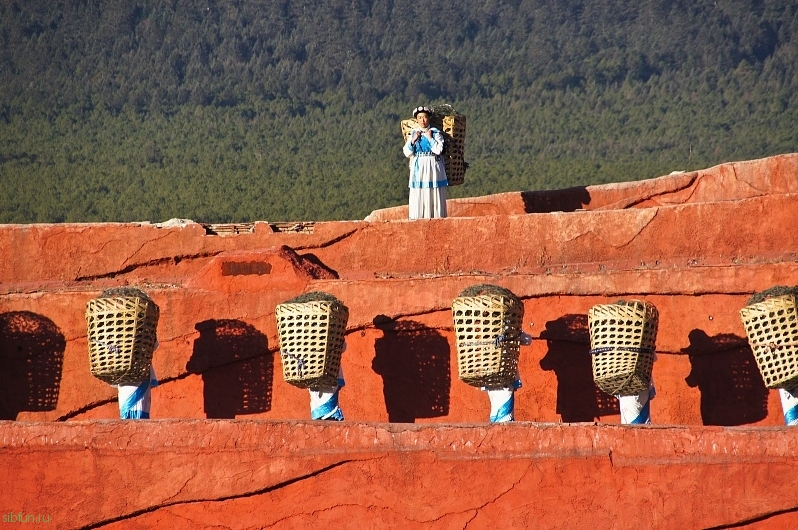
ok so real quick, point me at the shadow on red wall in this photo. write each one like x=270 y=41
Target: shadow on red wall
x=413 y=361
x=725 y=372
x=236 y=366
x=31 y=359
x=578 y=397
x=545 y=201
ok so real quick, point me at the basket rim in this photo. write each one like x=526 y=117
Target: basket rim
x=645 y=303
x=312 y=303
x=125 y=298
x=486 y=297
x=770 y=301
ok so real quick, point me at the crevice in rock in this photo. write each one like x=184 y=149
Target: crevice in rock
x=329 y=242
x=86 y=408
x=631 y=202
x=499 y=496
x=468 y=523
x=155 y=262
x=757 y=519
x=315 y=513
x=386 y=322
x=224 y=498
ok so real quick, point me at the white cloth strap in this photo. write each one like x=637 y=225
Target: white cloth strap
x=135 y=400
x=636 y=410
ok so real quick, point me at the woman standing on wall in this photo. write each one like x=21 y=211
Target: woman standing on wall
x=427 y=172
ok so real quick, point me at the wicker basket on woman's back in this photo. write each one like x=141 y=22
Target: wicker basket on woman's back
x=771 y=323
x=312 y=329
x=487 y=325
x=121 y=326
x=453 y=127
x=622 y=342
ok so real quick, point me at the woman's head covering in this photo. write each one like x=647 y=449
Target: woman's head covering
x=416 y=110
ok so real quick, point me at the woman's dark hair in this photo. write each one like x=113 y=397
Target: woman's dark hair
x=315 y=296
x=487 y=288
x=124 y=292
x=773 y=292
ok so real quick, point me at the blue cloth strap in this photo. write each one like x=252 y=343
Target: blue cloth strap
x=329 y=410
x=426 y=185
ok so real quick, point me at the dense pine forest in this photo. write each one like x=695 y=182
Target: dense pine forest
x=280 y=110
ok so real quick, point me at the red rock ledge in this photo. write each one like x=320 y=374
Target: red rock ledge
x=241 y=474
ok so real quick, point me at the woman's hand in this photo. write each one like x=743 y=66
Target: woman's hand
x=428 y=133
x=416 y=136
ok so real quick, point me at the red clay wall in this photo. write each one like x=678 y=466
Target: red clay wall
x=665 y=241
x=262 y=474
x=698 y=263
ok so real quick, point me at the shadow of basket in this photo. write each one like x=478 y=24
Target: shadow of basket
x=725 y=372
x=414 y=363
x=568 y=356
x=236 y=366
x=31 y=360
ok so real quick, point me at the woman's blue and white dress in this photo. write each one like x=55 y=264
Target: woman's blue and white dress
x=427 y=176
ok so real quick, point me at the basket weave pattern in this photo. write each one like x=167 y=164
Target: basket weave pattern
x=311 y=342
x=407 y=128
x=622 y=342
x=488 y=334
x=454 y=129
x=454 y=132
x=772 y=329
x=122 y=338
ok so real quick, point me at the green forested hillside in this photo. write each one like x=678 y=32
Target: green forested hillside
x=228 y=110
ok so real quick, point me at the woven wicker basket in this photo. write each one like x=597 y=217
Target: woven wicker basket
x=454 y=132
x=622 y=342
x=122 y=338
x=407 y=128
x=772 y=329
x=311 y=342
x=488 y=334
